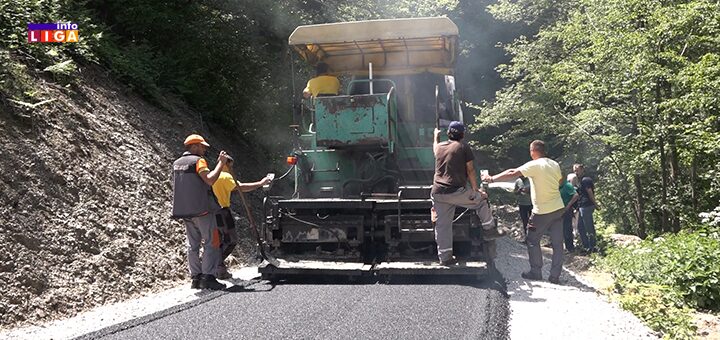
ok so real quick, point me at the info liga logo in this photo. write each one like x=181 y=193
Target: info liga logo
x=53 y=33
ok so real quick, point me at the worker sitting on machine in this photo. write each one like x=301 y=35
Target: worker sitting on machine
x=323 y=84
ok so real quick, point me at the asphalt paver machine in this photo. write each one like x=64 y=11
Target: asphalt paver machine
x=363 y=159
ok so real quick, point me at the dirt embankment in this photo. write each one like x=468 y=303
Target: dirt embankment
x=85 y=196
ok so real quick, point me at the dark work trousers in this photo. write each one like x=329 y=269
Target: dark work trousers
x=568 y=231
x=444 y=205
x=226 y=224
x=525 y=211
x=197 y=230
x=586 y=228
x=538 y=225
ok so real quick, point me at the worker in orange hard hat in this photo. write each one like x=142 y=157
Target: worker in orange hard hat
x=195 y=139
x=195 y=203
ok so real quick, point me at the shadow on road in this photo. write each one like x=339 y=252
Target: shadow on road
x=513 y=260
x=493 y=280
x=249 y=286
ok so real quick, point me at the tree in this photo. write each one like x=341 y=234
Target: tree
x=631 y=87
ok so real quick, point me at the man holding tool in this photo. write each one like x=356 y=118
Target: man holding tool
x=223 y=188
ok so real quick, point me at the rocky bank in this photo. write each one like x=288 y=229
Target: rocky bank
x=85 y=194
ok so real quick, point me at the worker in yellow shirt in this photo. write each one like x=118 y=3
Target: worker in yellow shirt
x=223 y=187
x=547 y=212
x=323 y=83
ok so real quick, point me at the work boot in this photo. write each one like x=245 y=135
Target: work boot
x=531 y=276
x=224 y=275
x=209 y=282
x=195 y=283
x=494 y=233
x=555 y=280
x=449 y=262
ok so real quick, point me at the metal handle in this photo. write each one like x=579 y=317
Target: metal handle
x=379 y=80
x=337 y=168
x=399 y=197
x=437 y=107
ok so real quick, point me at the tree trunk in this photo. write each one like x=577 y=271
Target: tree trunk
x=693 y=180
x=673 y=162
x=674 y=180
x=640 y=208
x=664 y=171
x=665 y=226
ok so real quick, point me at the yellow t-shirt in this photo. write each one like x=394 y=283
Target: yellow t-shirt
x=544 y=174
x=223 y=187
x=323 y=85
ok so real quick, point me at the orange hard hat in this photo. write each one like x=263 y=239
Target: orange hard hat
x=194 y=139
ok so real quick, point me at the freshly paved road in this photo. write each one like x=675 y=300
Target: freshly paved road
x=257 y=310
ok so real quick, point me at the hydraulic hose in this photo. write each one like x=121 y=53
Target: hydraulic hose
x=286 y=173
x=460 y=216
x=255 y=230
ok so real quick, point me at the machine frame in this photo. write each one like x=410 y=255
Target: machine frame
x=361 y=204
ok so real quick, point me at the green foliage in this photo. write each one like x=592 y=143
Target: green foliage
x=663 y=280
x=16 y=14
x=132 y=65
x=227 y=59
x=14 y=81
x=712 y=220
x=687 y=262
x=660 y=308
x=627 y=87
x=62 y=71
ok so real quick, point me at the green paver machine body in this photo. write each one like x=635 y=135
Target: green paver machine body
x=364 y=157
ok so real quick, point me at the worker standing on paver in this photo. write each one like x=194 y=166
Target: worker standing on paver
x=195 y=204
x=223 y=188
x=548 y=208
x=453 y=170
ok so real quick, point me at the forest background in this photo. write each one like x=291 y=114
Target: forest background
x=629 y=88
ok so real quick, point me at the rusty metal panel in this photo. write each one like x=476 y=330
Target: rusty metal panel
x=347 y=121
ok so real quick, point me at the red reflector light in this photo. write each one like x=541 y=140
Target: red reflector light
x=291 y=160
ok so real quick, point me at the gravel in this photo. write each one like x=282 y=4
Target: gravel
x=573 y=310
x=116 y=314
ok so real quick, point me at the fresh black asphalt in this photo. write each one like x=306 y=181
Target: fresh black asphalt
x=259 y=310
